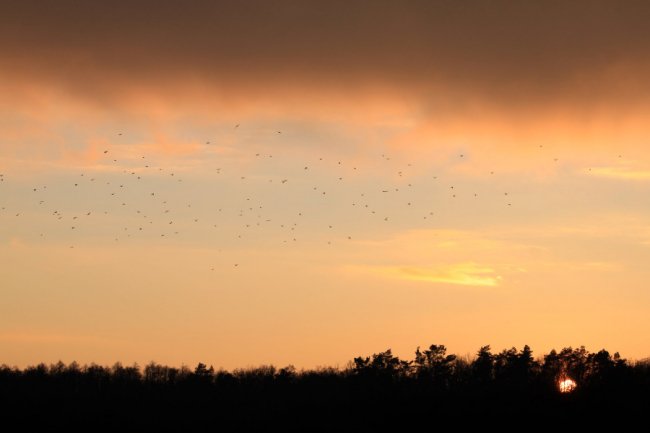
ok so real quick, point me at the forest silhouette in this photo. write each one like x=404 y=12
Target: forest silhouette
x=372 y=393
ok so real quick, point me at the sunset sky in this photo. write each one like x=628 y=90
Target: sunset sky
x=300 y=182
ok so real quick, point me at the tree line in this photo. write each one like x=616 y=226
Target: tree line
x=371 y=392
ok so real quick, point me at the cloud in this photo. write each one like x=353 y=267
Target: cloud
x=522 y=53
x=423 y=79
x=507 y=256
x=466 y=274
x=623 y=173
x=460 y=257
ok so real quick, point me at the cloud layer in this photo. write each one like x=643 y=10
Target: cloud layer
x=509 y=52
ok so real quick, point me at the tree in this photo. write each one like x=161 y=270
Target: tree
x=483 y=366
x=435 y=364
x=382 y=364
x=202 y=372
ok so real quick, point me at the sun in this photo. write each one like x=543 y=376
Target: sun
x=567 y=385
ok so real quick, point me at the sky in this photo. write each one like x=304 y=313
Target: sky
x=300 y=182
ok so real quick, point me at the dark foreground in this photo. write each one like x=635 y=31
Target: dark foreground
x=507 y=391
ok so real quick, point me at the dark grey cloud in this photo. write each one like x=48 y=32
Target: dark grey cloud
x=534 y=50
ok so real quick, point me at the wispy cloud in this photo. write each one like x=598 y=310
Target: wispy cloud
x=466 y=274
x=625 y=173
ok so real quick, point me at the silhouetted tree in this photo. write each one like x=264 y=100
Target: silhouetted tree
x=574 y=363
x=483 y=366
x=434 y=364
x=374 y=392
x=203 y=372
x=382 y=364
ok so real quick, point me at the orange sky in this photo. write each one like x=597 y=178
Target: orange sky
x=402 y=175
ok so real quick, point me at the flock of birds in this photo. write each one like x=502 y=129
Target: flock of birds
x=146 y=209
